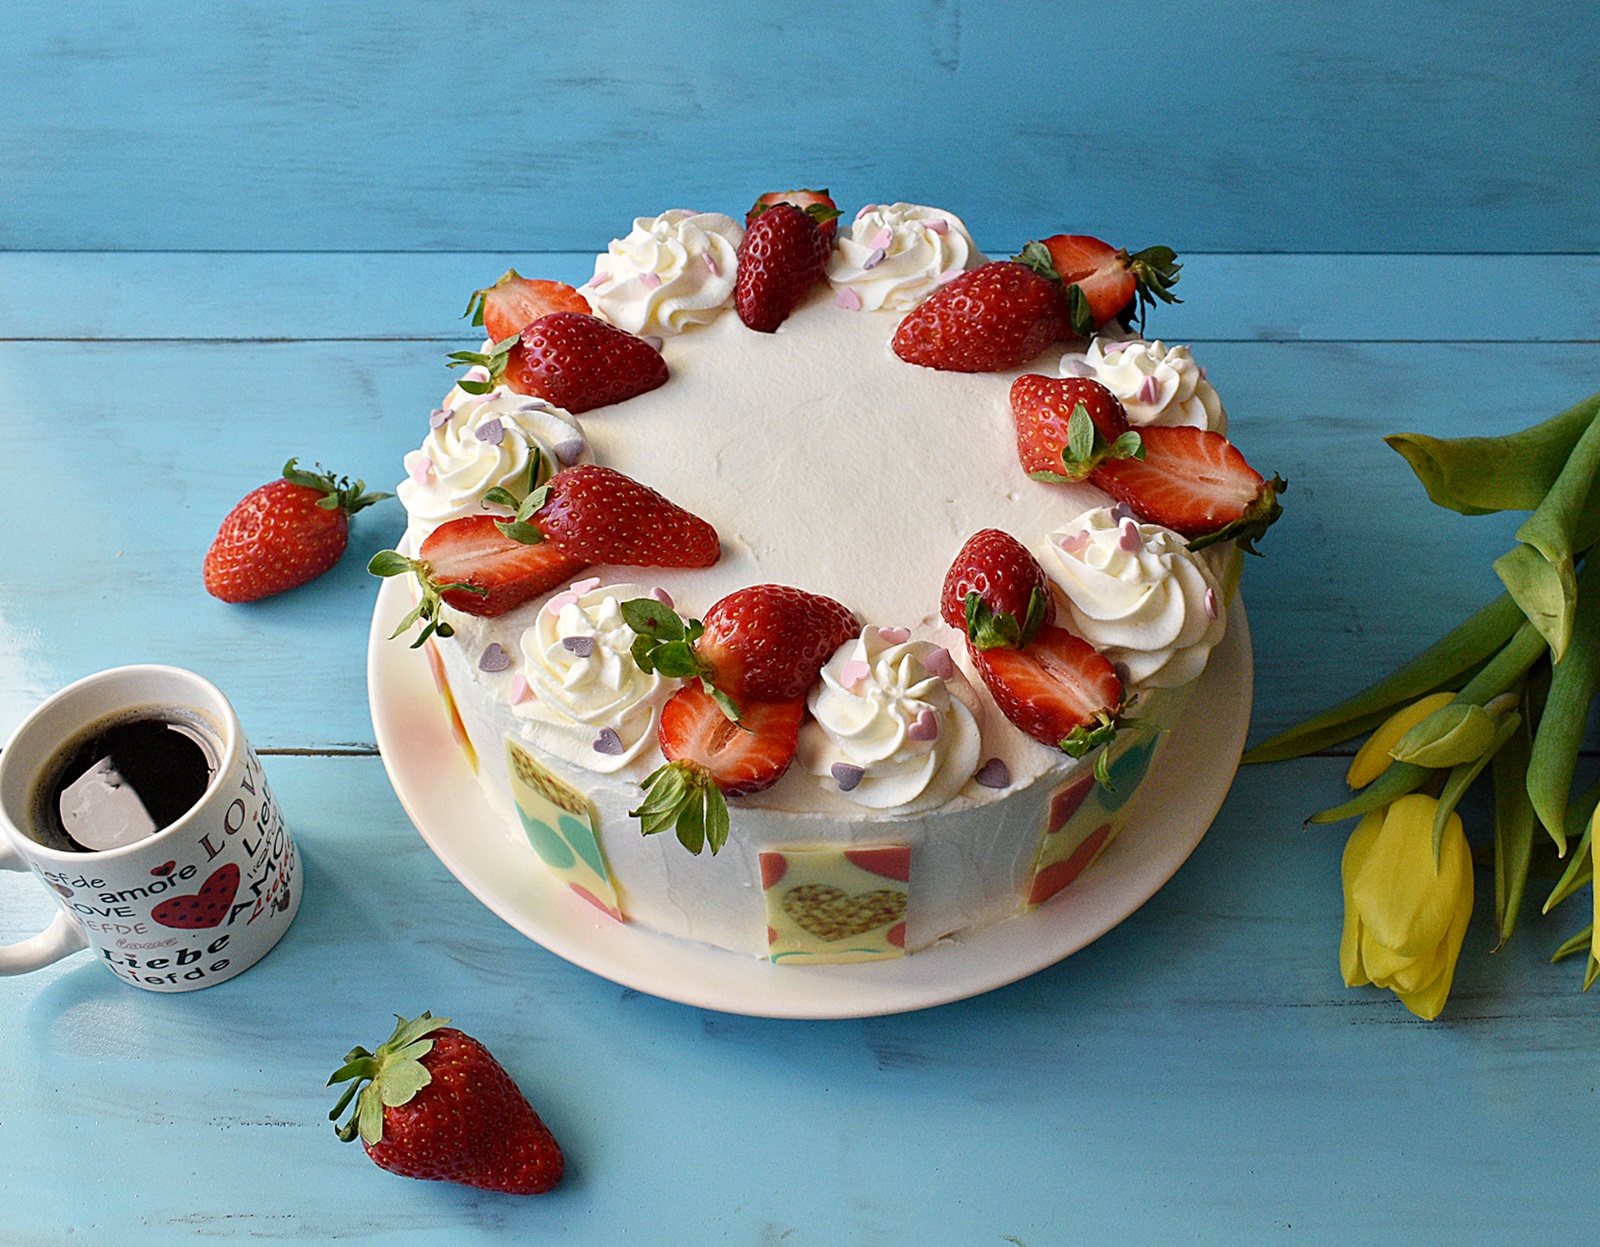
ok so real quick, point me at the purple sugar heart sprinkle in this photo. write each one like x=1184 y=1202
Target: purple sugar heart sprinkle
x=1122 y=511
x=849 y=300
x=1123 y=672
x=1211 y=603
x=494 y=658
x=847 y=775
x=873 y=260
x=1149 y=390
x=582 y=646
x=1130 y=539
x=567 y=452
x=994 y=774
x=938 y=662
x=653 y=342
x=662 y=596
x=438 y=416
x=492 y=431
x=938 y=225
x=608 y=742
x=924 y=727
x=649 y=281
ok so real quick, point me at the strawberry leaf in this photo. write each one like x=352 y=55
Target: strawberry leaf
x=1129 y=446
x=1036 y=256
x=1080 y=436
x=389 y=1077
x=987 y=629
x=683 y=796
x=1079 y=314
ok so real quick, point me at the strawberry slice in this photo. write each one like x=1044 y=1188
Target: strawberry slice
x=710 y=756
x=598 y=515
x=572 y=359
x=994 y=317
x=515 y=302
x=1196 y=483
x=1057 y=688
x=1104 y=283
x=996 y=592
x=1054 y=442
x=805 y=200
x=782 y=255
x=768 y=642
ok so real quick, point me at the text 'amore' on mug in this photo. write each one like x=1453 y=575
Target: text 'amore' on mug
x=173 y=907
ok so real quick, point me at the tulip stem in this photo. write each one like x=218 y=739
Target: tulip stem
x=1573 y=683
x=1513 y=829
x=1398 y=779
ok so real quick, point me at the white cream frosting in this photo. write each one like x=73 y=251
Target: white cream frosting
x=576 y=659
x=1138 y=595
x=670 y=273
x=877 y=709
x=895 y=255
x=478 y=443
x=1157 y=384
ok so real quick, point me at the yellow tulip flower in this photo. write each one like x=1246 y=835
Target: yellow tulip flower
x=1372 y=759
x=1404 y=919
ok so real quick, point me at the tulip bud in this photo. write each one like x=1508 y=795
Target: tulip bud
x=1404 y=919
x=1450 y=736
x=1372 y=759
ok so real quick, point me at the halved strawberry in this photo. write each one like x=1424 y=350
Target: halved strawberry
x=782 y=255
x=474 y=566
x=709 y=756
x=1105 y=283
x=1058 y=689
x=996 y=592
x=597 y=514
x=805 y=200
x=1196 y=483
x=991 y=318
x=1053 y=441
x=572 y=359
x=515 y=302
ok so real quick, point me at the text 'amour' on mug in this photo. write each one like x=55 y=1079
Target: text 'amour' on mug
x=135 y=798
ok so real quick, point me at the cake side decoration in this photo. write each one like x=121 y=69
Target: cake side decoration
x=836 y=905
x=558 y=823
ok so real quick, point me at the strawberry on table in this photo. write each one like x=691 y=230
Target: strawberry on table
x=283 y=534
x=433 y=1103
x=991 y=318
x=515 y=302
x=572 y=359
x=1057 y=688
x=1104 y=283
x=1055 y=442
x=710 y=757
x=1196 y=483
x=996 y=592
x=805 y=200
x=783 y=254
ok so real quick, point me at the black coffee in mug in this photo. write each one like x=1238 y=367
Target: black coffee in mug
x=124 y=779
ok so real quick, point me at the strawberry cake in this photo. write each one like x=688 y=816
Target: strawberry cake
x=814 y=586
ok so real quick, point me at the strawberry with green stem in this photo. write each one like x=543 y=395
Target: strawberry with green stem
x=515 y=302
x=572 y=359
x=783 y=254
x=1066 y=426
x=1103 y=283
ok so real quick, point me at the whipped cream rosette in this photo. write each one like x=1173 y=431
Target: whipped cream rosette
x=894 y=725
x=894 y=255
x=671 y=272
x=1139 y=595
x=1157 y=384
x=583 y=698
x=479 y=442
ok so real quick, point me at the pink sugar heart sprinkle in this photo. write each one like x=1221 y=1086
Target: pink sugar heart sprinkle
x=1202 y=372
x=494 y=658
x=873 y=260
x=568 y=451
x=662 y=596
x=924 y=727
x=895 y=636
x=1149 y=390
x=849 y=300
x=438 y=416
x=561 y=600
x=882 y=239
x=852 y=672
x=476 y=373
x=1077 y=368
x=1131 y=540
x=492 y=431
x=1211 y=603
x=948 y=276
x=520 y=692
x=937 y=662
x=711 y=263
x=587 y=585
x=649 y=281
x=608 y=742
x=599 y=279
x=1075 y=544
x=938 y=225
x=422 y=470
x=994 y=774
x=866 y=208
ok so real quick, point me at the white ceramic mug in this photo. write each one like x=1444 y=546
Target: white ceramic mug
x=193 y=904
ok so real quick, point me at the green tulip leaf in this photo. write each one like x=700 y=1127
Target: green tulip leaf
x=1573 y=683
x=1513 y=828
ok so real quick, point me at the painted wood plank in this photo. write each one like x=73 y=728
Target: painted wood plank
x=1420 y=125
x=1226 y=297
x=160 y=439
x=1200 y=1075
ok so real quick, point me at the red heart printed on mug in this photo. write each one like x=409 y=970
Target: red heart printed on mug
x=163 y=870
x=205 y=908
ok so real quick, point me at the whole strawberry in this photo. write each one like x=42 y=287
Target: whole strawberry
x=597 y=514
x=996 y=592
x=784 y=252
x=995 y=317
x=283 y=534
x=1057 y=443
x=432 y=1103
x=572 y=359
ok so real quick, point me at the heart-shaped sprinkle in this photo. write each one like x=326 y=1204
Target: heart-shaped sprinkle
x=608 y=742
x=852 y=672
x=894 y=636
x=438 y=416
x=492 y=431
x=849 y=300
x=1124 y=673
x=494 y=658
x=994 y=774
x=421 y=469
x=1075 y=544
x=937 y=662
x=582 y=646
x=560 y=602
x=847 y=775
x=1202 y=372
x=476 y=373
x=587 y=585
x=948 y=276
x=520 y=689
x=882 y=239
x=599 y=279
x=938 y=225
x=653 y=342
x=711 y=264
x=1149 y=390
x=568 y=451
x=649 y=281
x=662 y=596
x=1115 y=348
x=1130 y=539
x=874 y=259
x=163 y=870
x=1211 y=603
x=866 y=208
x=1122 y=511
x=1076 y=368
x=924 y=727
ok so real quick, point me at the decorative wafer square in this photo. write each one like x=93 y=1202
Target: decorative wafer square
x=832 y=905
x=558 y=824
x=458 y=729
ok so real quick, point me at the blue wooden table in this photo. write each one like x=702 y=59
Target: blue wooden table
x=244 y=233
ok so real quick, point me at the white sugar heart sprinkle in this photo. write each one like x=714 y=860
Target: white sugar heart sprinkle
x=848 y=776
x=582 y=646
x=938 y=225
x=1130 y=539
x=938 y=662
x=866 y=208
x=852 y=672
x=895 y=636
x=587 y=585
x=492 y=431
x=849 y=300
x=1149 y=390
x=568 y=451
x=422 y=469
x=711 y=263
x=882 y=239
x=873 y=260
x=924 y=727
x=1211 y=603
x=437 y=417
x=649 y=281
x=662 y=596
x=494 y=658
x=994 y=774
x=608 y=742
x=561 y=600
x=520 y=692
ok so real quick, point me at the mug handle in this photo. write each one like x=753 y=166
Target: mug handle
x=63 y=936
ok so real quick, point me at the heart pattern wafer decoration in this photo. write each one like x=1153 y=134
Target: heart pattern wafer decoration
x=202 y=909
x=832 y=914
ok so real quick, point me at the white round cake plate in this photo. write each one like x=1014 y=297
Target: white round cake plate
x=1171 y=812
